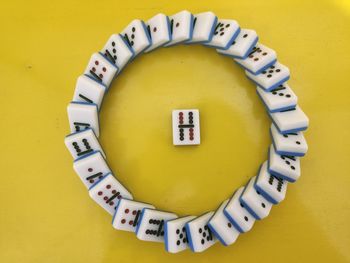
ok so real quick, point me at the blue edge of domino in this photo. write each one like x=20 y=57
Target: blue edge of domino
x=232 y=45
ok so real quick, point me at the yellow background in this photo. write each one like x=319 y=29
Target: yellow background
x=45 y=212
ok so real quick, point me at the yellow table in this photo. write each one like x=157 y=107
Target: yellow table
x=46 y=214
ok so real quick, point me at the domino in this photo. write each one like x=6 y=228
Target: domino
x=259 y=59
x=279 y=98
x=89 y=90
x=101 y=69
x=82 y=143
x=176 y=239
x=254 y=202
x=199 y=234
x=82 y=116
x=222 y=228
x=238 y=215
x=293 y=144
x=186 y=130
x=137 y=37
x=181 y=28
x=203 y=28
x=127 y=214
x=284 y=166
x=271 y=77
x=290 y=121
x=91 y=168
x=118 y=51
x=107 y=192
x=226 y=31
x=159 y=30
x=242 y=45
x=271 y=187
x=151 y=225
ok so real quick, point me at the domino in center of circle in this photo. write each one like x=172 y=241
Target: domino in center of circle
x=186 y=129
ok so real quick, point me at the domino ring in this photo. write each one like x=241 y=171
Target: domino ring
x=249 y=203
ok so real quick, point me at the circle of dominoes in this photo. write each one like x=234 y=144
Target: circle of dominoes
x=249 y=203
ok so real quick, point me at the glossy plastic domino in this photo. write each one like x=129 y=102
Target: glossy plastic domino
x=271 y=187
x=222 y=228
x=199 y=234
x=242 y=45
x=293 y=143
x=259 y=59
x=176 y=239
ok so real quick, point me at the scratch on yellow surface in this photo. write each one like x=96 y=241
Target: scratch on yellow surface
x=46 y=214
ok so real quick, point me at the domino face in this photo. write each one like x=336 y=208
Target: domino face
x=181 y=25
x=91 y=168
x=283 y=166
x=293 y=144
x=259 y=59
x=89 y=90
x=238 y=215
x=107 y=192
x=118 y=51
x=128 y=214
x=186 y=130
x=151 y=225
x=222 y=227
x=199 y=234
x=290 y=121
x=82 y=116
x=226 y=31
x=254 y=202
x=136 y=36
x=242 y=45
x=279 y=98
x=159 y=30
x=101 y=69
x=203 y=27
x=271 y=77
x=176 y=239
x=82 y=143
x=271 y=187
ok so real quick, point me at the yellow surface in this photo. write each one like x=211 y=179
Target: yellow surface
x=45 y=212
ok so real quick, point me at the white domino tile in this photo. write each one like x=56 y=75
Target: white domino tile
x=118 y=51
x=271 y=187
x=238 y=215
x=107 y=192
x=82 y=143
x=186 y=127
x=203 y=27
x=242 y=45
x=82 y=116
x=181 y=26
x=101 y=69
x=291 y=120
x=254 y=201
x=159 y=30
x=260 y=58
x=226 y=31
x=199 y=234
x=279 y=98
x=284 y=166
x=128 y=214
x=91 y=168
x=136 y=36
x=89 y=90
x=222 y=228
x=176 y=239
x=152 y=223
x=293 y=144
x=271 y=77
